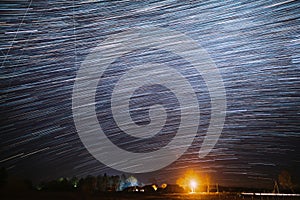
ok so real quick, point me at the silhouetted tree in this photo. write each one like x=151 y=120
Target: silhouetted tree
x=100 y=185
x=105 y=181
x=173 y=189
x=74 y=182
x=115 y=182
x=88 y=185
x=61 y=184
x=123 y=177
x=285 y=180
x=122 y=182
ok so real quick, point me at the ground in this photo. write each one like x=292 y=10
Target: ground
x=131 y=196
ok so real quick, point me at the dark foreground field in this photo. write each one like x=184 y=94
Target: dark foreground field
x=132 y=196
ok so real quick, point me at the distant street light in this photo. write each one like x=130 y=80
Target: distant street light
x=193 y=185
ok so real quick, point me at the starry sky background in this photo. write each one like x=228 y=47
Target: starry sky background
x=254 y=44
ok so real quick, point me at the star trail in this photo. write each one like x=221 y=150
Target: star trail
x=255 y=45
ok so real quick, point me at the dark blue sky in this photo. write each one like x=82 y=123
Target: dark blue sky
x=255 y=46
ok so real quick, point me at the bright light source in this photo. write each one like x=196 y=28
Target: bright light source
x=164 y=185
x=154 y=187
x=193 y=185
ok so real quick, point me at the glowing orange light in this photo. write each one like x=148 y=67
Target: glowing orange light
x=191 y=181
x=163 y=186
x=193 y=185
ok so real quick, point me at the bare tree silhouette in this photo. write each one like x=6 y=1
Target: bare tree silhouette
x=285 y=180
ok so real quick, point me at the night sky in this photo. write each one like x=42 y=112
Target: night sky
x=255 y=45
